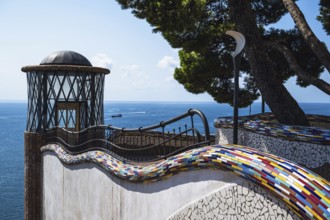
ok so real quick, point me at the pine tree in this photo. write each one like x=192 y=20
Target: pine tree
x=198 y=28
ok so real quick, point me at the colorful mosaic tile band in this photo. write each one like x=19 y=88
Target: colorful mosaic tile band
x=264 y=124
x=306 y=193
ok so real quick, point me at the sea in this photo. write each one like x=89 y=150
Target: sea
x=134 y=115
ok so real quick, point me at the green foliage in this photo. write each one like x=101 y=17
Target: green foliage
x=201 y=73
x=198 y=28
x=324 y=16
x=301 y=51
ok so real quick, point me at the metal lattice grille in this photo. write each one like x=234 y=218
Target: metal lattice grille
x=47 y=89
x=72 y=120
x=67 y=115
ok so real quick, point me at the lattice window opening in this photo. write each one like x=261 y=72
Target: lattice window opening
x=61 y=122
x=61 y=86
x=35 y=106
x=72 y=118
x=68 y=86
x=67 y=115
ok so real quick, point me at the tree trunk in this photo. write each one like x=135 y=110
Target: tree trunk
x=317 y=46
x=315 y=81
x=279 y=100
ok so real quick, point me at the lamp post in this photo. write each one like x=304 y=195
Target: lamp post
x=240 y=43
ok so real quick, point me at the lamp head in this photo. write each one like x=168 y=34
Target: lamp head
x=240 y=41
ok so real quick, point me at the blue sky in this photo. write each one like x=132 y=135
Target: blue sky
x=140 y=61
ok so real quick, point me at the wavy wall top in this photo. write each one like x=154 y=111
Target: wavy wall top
x=304 y=192
x=267 y=125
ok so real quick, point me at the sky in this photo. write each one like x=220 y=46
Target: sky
x=141 y=62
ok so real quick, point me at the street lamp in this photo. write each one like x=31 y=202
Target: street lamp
x=240 y=43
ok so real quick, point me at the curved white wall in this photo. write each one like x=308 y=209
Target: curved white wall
x=85 y=191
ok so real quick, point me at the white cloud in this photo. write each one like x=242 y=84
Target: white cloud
x=137 y=78
x=102 y=60
x=131 y=69
x=167 y=62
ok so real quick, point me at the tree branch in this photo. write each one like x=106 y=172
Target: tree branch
x=312 y=41
x=300 y=72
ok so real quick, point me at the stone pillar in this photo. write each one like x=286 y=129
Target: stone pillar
x=32 y=175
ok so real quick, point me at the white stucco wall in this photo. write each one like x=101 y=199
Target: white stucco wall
x=85 y=191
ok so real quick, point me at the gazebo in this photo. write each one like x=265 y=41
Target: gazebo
x=65 y=90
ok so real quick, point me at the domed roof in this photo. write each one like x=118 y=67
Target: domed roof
x=66 y=57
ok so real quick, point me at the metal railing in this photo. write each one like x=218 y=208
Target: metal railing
x=142 y=144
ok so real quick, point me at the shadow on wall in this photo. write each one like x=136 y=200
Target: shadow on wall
x=186 y=177
x=281 y=178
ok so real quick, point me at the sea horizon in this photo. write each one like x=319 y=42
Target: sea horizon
x=148 y=101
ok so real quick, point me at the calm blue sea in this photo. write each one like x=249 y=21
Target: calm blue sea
x=135 y=114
